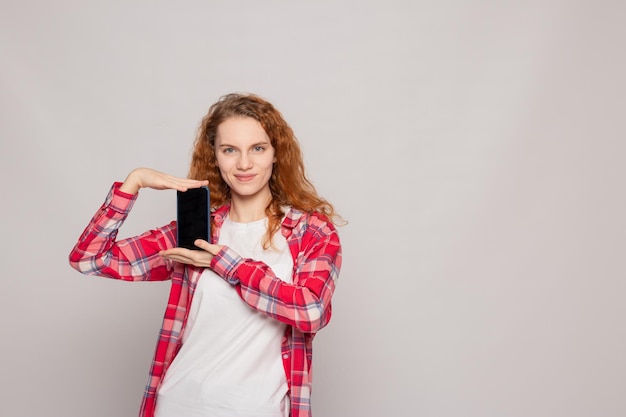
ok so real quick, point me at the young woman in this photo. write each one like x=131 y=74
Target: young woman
x=236 y=339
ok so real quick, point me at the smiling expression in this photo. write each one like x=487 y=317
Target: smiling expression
x=245 y=157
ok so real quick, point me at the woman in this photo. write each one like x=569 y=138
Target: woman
x=237 y=335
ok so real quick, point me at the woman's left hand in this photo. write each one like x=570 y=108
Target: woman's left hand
x=199 y=258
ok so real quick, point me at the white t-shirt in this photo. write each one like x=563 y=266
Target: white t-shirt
x=230 y=362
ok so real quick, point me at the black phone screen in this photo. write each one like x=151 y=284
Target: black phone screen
x=193 y=217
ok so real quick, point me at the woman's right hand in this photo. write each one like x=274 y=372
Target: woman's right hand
x=149 y=178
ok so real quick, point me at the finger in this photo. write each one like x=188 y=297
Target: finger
x=199 y=262
x=183 y=184
x=187 y=255
x=209 y=247
x=202 y=244
x=178 y=252
x=173 y=256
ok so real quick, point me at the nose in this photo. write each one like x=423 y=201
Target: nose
x=244 y=162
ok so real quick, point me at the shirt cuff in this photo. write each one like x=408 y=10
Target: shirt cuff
x=225 y=264
x=120 y=201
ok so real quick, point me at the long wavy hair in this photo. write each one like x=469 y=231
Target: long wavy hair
x=288 y=184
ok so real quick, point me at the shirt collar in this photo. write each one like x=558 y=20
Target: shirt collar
x=291 y=220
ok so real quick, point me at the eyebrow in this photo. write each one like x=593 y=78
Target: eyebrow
x=226 y=145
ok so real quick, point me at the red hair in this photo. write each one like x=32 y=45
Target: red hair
x=288 y=184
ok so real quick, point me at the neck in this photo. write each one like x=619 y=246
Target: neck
x=246 y=209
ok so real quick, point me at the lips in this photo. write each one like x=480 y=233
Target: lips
x=245 y=178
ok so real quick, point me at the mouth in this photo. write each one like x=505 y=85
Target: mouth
x=245 y=178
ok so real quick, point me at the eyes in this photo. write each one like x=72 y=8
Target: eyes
x=229 y=150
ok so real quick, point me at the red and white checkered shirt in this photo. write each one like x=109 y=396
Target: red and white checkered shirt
x=304 y=305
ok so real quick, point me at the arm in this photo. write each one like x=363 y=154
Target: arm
x=305 y=304
x=98 y=253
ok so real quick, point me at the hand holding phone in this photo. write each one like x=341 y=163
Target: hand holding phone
x=193 y=217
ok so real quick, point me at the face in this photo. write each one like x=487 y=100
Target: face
x=245 y=157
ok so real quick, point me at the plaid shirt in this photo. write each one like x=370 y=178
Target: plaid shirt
x=304 y=305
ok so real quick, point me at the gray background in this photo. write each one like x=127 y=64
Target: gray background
x=476 y=148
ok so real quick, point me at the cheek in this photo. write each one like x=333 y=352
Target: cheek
x=222 y=164
x=272 y=160
x=269 y=164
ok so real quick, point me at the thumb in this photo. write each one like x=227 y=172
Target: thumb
x=203 y=244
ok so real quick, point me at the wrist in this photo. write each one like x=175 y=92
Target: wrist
x=130 y=185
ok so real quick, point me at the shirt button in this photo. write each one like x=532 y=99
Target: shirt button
x=285 y=356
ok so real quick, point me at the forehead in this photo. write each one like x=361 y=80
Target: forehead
x=240 y=131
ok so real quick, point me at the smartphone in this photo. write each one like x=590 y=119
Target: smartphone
x=193 y=216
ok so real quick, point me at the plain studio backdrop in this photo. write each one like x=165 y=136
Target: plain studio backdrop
x=475 y=147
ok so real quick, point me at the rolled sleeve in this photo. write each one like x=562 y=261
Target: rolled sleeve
x=120 y=201
x=225 y=263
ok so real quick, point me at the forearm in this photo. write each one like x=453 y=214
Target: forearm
x=305 y=304
x=97 y=251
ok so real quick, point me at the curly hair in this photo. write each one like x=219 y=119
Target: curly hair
x=288 y=184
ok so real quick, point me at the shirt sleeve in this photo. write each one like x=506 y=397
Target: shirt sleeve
x=98 y=252
x=305 y=304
